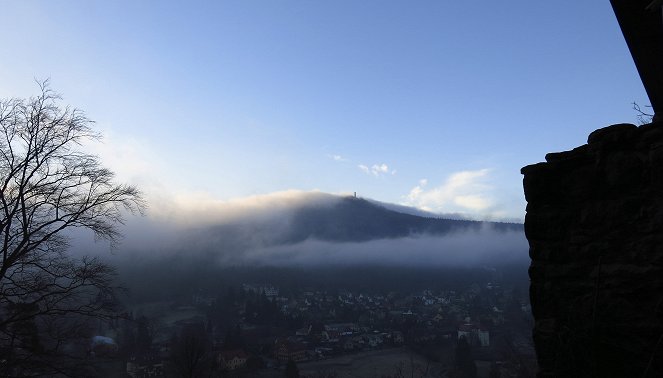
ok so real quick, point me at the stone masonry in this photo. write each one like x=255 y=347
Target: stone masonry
x=595 y=228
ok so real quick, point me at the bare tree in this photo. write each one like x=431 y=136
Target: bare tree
x=191 y=355
x=644 y=117
x=48 y=185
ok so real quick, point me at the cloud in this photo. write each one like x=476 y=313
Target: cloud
x=472 y=247
x=338 y=158
x=377 y=170
x=475 y=247
x=172 y=217
x=129 y=158
x=476 y=203
x=463 y=192
x=201 y=208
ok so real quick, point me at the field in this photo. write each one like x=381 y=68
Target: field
x=394 y=362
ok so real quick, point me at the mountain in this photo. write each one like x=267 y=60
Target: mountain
x=356 y=219
x=309 y=236
x=342 y=219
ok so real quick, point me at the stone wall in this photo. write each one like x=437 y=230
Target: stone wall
x=595 y=228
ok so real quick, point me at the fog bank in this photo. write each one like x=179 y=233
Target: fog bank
x=311 y=229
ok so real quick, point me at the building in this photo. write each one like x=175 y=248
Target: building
x=143 y=367
x=474 y=334
x=232 y=359
x=286 y=350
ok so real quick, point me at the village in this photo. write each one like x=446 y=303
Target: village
x=261 y=330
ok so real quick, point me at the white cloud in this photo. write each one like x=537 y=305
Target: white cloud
x=377 y=170
x=128 y=157
x=473 y=202
x=195 y=208
x=466 y=192
x=132 y=160
x=338 y=158
x=469 y=248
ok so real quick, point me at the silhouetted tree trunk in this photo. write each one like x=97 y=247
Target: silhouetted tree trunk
x=47 y=186
x=464 y=363
x=291 y=370
x=494 y=371
x=191 y=354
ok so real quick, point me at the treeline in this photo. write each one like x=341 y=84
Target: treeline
x=175 y=280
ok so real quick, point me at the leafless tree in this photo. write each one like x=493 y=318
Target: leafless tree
x=644 y=117
x=48 y=185
x=191 y=355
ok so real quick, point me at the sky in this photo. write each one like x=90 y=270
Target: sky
x=431 y=104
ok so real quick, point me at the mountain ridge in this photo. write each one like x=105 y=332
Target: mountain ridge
x=345 y=219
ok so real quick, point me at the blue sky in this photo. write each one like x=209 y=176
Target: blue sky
x=434 y=104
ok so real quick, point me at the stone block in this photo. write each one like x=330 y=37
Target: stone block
x=620 y=134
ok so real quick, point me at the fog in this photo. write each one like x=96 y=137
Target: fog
x=270 y=231
x=460 y=249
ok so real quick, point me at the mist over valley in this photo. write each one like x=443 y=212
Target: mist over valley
x=310 y=237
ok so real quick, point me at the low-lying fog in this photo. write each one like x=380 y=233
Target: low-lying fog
x=271 y=230
x=302 y=230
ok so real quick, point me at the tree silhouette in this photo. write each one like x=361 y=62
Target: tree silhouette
x=191 y=353
x=291 y=369
x=48 y=185
x=464 y=363
x=494 y=371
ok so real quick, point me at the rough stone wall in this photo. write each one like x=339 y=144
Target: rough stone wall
x=595 y=228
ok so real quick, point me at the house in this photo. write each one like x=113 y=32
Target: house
x=348 y=344
x=202 y=300
x=422 y=335
x=428 y=301
x=397 y=337
x=474 y=334
x=232 y=359
x=466 y=331
x=323 y=352
x=102 y=346
x=374 y=340
x=145 y=366
x=285 y=350
x=484 y=337
x=344 y=329
x=270 y=291
x=332 y=336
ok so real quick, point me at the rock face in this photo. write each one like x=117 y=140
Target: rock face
x=595 y=228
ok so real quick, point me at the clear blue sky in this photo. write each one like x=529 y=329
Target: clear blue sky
x=435 y=104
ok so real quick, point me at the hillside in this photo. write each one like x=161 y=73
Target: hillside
x=343 y=219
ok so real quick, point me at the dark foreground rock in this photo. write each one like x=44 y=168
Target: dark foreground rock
x=595 y=228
